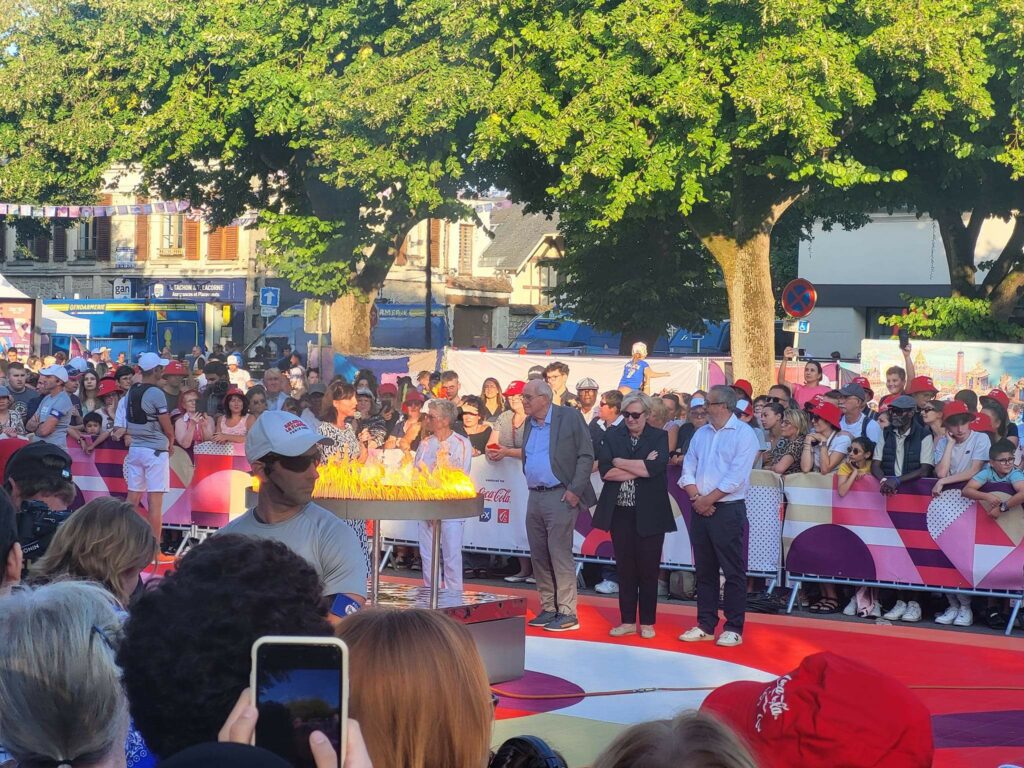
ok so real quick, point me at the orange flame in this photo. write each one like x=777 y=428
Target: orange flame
x=375 y=481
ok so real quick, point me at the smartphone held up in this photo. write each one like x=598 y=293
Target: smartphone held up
x=299 y=685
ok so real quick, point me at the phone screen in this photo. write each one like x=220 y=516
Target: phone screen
x=298 y=691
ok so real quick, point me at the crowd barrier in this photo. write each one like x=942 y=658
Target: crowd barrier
x=909 y=540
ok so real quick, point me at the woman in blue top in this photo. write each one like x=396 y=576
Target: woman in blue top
x=637 y=373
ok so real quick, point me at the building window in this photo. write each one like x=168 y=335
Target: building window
x=87 y=238
x=172 y=236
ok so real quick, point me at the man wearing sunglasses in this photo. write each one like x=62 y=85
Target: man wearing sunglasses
x=716 y=475
x=284 y=454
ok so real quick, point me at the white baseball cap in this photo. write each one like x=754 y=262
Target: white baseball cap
x=55 y=370
x=282 y=433
x=150 y=360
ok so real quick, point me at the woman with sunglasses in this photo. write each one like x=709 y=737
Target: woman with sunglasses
x=635 y=508
x=813 y=376
x=478 y=431
x=826 y=446
x=783 y=458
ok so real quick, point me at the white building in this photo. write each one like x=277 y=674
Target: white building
x=860 y=275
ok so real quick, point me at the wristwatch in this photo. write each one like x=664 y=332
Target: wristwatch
x=1003 y=507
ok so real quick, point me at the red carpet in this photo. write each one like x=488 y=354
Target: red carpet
x=947 y=669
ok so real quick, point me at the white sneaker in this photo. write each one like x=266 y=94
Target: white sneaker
x=947 y=616
x=913 y=612
x=851 y=607
x=695 y=635
x=874 y=612
x=729 y=639
x=607 y=587
x=964 y=616
x=896 y=612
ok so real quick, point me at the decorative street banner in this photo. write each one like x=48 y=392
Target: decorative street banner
x=909 y=538
x=209 y=494
x=92 y=211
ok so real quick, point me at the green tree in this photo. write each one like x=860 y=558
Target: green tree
x=955 y=318
x=312 y=112
x=638 y=277
x=723 y=113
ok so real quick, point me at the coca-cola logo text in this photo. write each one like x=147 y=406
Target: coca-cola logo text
x=497 y=495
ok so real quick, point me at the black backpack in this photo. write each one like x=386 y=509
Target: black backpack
x=134 y=411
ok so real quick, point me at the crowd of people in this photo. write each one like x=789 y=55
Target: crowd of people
x=159 y=670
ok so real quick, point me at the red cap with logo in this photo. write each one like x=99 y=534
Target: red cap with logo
x=829 y=412
x=922 y=384
x=829 y=710
x=999 y=396
x=954 y=408
x=515 y=388
x=107 y=387
x=863 y=381
x=744 y=386
x=175 y=368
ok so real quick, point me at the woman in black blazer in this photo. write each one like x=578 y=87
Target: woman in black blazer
x=634 y=506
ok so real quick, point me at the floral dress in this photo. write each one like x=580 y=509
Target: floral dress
x=346 y=445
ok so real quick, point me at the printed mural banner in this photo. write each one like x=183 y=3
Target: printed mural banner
x=211 y=493
x=912 y=537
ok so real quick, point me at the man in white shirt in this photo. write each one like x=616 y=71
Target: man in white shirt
x=855 y=420
x=237 y=375
x=716 y=475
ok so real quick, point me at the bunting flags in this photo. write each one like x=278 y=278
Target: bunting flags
x=165 y=207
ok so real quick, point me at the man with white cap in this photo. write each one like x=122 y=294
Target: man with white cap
x=284 y=455
x=148 y=464
x=52 y=418
x=237 y=375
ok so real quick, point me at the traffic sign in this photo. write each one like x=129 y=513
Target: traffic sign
x=796 y=326
x=270 y=297
x=266 y=311
x=799 y=298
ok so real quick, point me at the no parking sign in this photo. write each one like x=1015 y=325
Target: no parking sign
x=799 y=297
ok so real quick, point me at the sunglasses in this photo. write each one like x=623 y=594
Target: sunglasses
x=294 y=463
x=927 y=410
x=774 y=399
x=633 y=414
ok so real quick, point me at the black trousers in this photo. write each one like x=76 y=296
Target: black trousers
x=637 y=561
x=719 y=542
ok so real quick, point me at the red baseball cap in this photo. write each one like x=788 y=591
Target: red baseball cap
x=954 y=408
x=744 y=386
x=884 y=402
x=863 y=381
x=999 y=396
x=982 y=423
x=233 y=392
x=175 y=368
x=515 y=388
x=745 y=407
x=107 y=387
x=922 y=384
x=814 y=402
x=829 y=412
x=827 y=708
x=387 y=389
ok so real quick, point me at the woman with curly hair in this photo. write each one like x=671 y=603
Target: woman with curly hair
x=185 y=653
x=105 y=541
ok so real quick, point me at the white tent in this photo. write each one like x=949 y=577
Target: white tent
x=53 y=322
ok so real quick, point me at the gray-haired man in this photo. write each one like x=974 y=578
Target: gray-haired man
x=558 y=457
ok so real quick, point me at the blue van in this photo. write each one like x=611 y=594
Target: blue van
x=715 y=340
x=562 y=334
x=134 y=326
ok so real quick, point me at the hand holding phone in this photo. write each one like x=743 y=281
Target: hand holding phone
x=299 y=688
x=904 y=337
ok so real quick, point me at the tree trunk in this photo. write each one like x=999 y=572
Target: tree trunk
x=959 y=241
x=1004 y=281
x=350 y=323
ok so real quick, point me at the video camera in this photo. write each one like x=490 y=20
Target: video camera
x=37 y=524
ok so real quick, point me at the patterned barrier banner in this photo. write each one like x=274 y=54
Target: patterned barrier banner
x=209 y=493
x=912 y=537
x=502 y=526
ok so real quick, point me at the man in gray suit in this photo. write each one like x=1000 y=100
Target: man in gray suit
x=558 y=457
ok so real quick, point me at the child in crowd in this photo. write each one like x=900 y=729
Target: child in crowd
x=857 y=464
x=91 y=434
x=999 y=470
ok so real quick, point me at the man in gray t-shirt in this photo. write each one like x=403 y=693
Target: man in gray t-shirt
x=147 y=468
x=284 y=453
x=53 y=416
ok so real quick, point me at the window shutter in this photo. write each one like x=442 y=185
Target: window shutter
x=41 y=247
x=60 y=243
x=103 y=231
x=231 y=243
x=223 y=244
x=466 y=232
x=141 y=234
x=191 y=240
x=215 y=245
x=3 y=241
x=435 y=242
